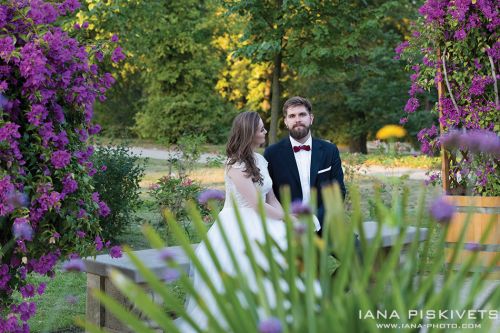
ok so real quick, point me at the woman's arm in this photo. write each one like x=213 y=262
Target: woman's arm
x=246 y=188
x=273 y=201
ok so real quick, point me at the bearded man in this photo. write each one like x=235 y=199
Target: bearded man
x=301 y=161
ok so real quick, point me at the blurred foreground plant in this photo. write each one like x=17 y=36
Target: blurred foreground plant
x=361 y=296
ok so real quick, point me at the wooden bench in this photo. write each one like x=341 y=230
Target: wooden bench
x=389 y=236
x=98 y=272
x=98 y=278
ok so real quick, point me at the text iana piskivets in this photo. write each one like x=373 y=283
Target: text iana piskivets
x=430 y=314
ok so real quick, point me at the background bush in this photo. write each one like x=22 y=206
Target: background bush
x=117 y=180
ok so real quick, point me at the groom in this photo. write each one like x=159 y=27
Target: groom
x=303 y=162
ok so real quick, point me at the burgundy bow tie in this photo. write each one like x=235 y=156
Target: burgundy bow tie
x=296 y=149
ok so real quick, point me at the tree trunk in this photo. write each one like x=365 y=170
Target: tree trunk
x=357 y=144
x=275 y=99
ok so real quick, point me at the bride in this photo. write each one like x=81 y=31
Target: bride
x=246 y=178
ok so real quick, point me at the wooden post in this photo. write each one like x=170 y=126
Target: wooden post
x=445 y=162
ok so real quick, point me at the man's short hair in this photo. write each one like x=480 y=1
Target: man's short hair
x=296 y=101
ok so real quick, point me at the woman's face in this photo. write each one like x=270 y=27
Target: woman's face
x=259 y=137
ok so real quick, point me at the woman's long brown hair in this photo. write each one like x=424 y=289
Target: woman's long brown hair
x=239 y=144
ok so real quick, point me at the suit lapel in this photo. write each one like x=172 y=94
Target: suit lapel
x=289 y=157
x=316 y=158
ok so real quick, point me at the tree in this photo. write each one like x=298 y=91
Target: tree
x=272 y=35
x=351 y=76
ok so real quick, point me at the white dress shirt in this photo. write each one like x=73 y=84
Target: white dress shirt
x=303 y=161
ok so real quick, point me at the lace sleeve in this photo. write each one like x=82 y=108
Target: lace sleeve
x=237 y=165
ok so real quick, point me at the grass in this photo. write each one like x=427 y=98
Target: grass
x=56 y=314
x=63 y=300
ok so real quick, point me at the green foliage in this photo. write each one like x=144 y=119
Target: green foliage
x=355 y=84
x=379 y=283
x=180 y=91
x=117 y=181
x=190 y=146
x=173 y=64
x=172 y=193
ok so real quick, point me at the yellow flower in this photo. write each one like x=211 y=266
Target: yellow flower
x=390 y=131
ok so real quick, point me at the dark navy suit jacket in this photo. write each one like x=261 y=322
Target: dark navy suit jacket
x=325 y=169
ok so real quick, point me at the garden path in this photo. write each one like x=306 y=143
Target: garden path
x=373 y=170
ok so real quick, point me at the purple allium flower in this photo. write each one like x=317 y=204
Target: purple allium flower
x=270 y=325
x=85 y=25
x=115 y=252
x=80 y=234
x=74 y=265
x=114 y=38
x=451 y=139
x=441 y=210
x=300 y=208
x=210 y=194
x=171 y=275
x=473 y=247
x=403 y=120
x=476 y=141
x=22 y=229
x=300 y=228
x=167 y=254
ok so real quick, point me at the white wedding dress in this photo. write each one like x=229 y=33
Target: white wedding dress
x=253 y=229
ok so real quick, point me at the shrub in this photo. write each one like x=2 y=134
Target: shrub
x=347 y=302
x=173 y=192
x=117 y=181
x=186 y=154
x=48 y=208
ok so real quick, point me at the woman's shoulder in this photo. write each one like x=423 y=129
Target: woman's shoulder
x=235 y=165
x=259 y=159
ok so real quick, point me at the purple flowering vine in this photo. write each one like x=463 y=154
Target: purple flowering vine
x=48 y=86
x=445 y=54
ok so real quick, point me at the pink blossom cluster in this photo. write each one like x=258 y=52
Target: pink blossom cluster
x=48 y=86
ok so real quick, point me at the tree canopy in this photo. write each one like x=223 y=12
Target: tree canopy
x=194 y=62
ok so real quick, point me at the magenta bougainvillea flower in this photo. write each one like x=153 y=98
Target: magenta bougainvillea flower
x=455 y=45
x=48 y=86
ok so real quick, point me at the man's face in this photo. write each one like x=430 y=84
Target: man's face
x=298 y=121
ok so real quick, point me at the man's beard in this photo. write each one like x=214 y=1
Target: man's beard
x=299 y=133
